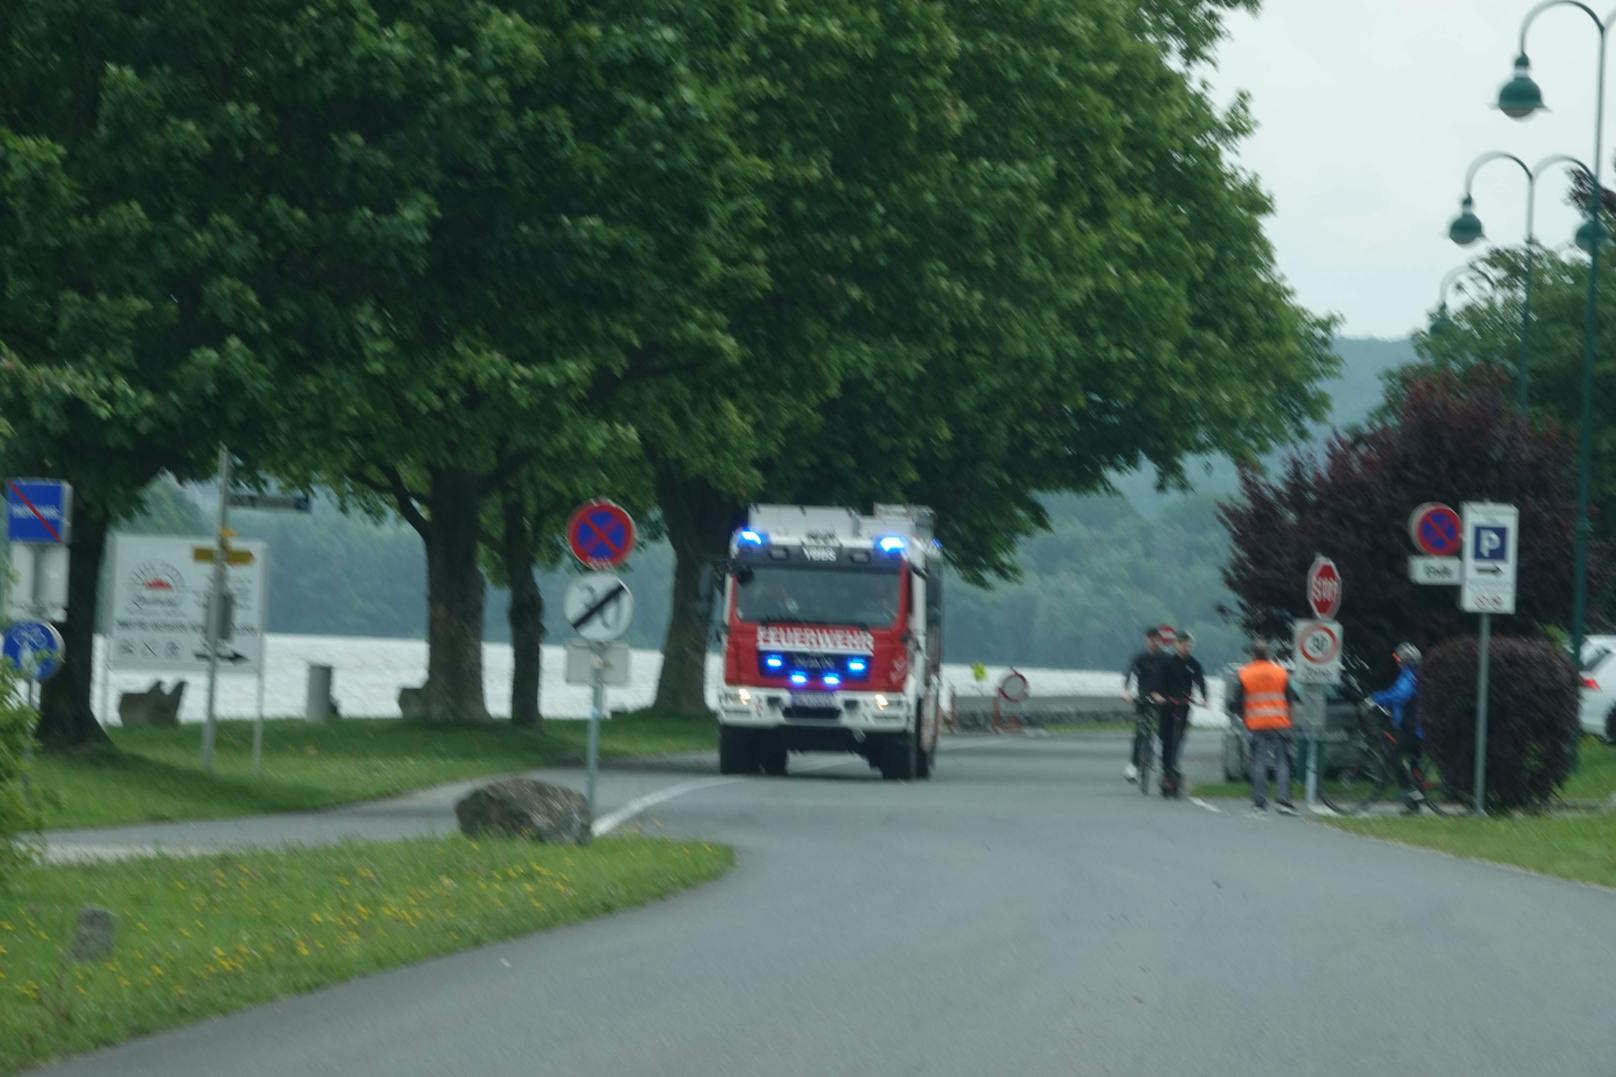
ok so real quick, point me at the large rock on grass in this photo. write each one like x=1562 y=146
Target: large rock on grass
x=523 y=808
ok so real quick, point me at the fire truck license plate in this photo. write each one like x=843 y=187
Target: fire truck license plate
x=813 y=699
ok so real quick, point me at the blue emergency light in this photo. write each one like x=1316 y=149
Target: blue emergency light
x=774 y=661
x=891 y=544
x=799 y=678
x=751 y=538
x=858 y=667
x=832 y=680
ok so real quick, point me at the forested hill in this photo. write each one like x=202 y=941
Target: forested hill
x=1109 y=565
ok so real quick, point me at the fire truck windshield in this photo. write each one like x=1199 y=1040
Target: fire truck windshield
x=799 y=594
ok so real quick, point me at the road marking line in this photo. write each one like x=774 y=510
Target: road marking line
x=1199 y=803
x=610 y=822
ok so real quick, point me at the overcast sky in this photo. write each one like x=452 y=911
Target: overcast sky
x=1369 y=113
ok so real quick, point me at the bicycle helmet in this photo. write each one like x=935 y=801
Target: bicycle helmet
x=1407 y=654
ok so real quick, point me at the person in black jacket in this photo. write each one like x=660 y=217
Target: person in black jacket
x=1182 y=681
x=1144 y=674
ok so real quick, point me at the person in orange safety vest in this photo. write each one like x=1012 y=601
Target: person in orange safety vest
x=1262 y=697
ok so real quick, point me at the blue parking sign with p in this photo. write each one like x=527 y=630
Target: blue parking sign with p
x=1491 y=543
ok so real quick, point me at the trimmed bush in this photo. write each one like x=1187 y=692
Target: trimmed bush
x=19 y=815
x=1532 y=703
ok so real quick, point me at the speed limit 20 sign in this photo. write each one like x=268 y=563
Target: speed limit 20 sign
x=1318 y=652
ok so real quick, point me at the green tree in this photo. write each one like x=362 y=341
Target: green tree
x=128 y=248
x=513 y=214
x=1485 y=332
x=1068 y=279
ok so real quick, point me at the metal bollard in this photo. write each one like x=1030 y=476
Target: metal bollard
x=318 y=707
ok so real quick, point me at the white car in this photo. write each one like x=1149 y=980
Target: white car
x=1599 y=686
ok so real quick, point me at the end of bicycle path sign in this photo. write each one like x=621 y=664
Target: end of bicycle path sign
x=1491 y=557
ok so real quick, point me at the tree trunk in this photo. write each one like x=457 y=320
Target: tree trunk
x=526 y=615
x=66 y=718
x=455 y=596
x=699 y=521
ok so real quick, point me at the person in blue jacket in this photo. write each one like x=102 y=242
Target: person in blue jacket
x=1400 y=700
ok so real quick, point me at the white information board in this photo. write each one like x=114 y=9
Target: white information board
x=1491 y=554
x=160 y=588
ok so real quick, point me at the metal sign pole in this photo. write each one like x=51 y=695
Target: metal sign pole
x=1482 y=669
x=215 y=610
x=106 y=679
x=258 y=724
x=1315 y=708
x=597 y=710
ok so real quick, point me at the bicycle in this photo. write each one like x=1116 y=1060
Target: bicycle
x=1373 y=759
x=1145 y=736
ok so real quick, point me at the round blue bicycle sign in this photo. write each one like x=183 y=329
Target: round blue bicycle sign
x=34 y=648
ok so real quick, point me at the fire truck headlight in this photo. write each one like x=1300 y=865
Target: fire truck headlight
x=882 y=702
x=743 y=697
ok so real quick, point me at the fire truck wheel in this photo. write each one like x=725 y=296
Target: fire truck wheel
x=735 y=751
x=899 y=757
x=771 y=752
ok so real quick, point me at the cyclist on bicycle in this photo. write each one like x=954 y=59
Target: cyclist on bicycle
x=1182 y=678
x=1399 y=702
x=1144 y=672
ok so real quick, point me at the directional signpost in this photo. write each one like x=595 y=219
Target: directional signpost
x=600 y=607
x=1487 y=586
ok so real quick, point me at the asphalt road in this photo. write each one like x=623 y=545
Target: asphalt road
x=1024 y=913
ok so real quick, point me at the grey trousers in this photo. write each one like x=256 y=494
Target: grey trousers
x=1270 y=747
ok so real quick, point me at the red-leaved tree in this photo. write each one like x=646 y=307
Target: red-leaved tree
x=1447 y=437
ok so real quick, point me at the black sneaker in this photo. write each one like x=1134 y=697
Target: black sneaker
x=1286 y=808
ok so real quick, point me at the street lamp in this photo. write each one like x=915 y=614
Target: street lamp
x=1519 y=98
x=1450 y=280
x=1467 y=229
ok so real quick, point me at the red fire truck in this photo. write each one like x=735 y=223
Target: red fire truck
x=833 y=639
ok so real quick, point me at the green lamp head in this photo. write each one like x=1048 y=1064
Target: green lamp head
x=1520 y=96
x=1466 y=227
x=1590 y=231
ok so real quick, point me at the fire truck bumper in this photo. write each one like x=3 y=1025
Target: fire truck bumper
x=853 y=712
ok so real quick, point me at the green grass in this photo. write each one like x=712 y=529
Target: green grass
x=1581 y=847
x=208 y=936
x=1595 y=778
x=155 y=774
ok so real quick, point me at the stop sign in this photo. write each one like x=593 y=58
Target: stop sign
x=1324 y=588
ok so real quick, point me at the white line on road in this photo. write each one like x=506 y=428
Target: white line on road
x=1199 y=803
x=611 y=821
